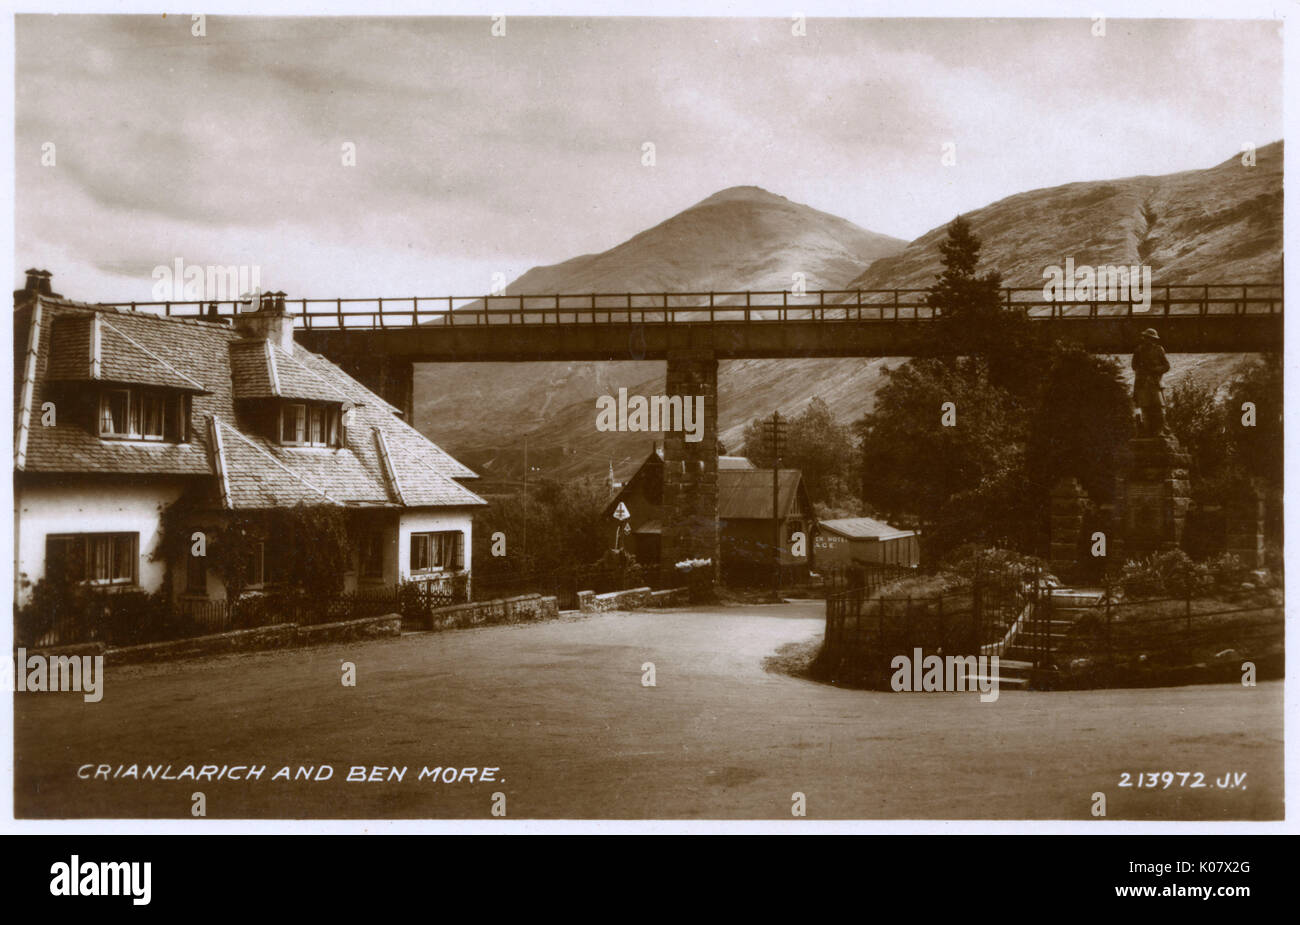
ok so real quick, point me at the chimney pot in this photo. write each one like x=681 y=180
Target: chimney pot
x=269 y=321
x=33 y=280
x=45 y=276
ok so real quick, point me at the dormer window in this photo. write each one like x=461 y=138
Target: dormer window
x=309 y=424
x=139 y=414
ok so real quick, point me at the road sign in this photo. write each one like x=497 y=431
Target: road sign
x=621 y=512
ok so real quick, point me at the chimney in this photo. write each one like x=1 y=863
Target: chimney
x=271 y=321
x=37 y=284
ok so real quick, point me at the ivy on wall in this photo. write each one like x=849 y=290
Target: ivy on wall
x=306 y=546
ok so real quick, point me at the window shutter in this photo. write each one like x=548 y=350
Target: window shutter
x=458 y=550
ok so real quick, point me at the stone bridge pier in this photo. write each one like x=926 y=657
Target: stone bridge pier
x=690 y=505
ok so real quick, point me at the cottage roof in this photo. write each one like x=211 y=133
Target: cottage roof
x=734 y=462
x=746 y=494
x=95 y=349
x=218 y=367
x=743 y=493
x=859 y=528
x=262 y=369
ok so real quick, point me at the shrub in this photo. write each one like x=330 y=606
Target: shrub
x=699 y=580
x=135 y=617
x=1171 y=573
x=53 y=605
x=1226 y=571
x=78 y=613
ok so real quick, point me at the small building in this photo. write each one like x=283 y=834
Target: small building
x=863 y=541
x=745 y=524
x=123 y=415
x=747 y=528
x=643 y=495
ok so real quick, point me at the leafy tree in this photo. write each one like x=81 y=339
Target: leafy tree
x=819 y=446
x=974 y=323
x=1198 y=420
x=1081 y=425
x=562 y=521
x=1258 y=448
x=914 y=465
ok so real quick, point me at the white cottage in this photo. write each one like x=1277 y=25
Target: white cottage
x=119 y=414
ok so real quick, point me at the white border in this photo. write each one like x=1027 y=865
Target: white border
x=1130 y=9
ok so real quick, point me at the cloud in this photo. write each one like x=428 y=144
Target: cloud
x=475 y=152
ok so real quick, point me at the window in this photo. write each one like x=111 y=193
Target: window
x=255 y=565
x=293 y=421
x=432 y=551
x=151 y=414
x=113 y=409
x=140 y=414
x=309 y=425
x=92 y=558
x=372 y=555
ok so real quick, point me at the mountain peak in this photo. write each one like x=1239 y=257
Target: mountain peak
x=750 y=194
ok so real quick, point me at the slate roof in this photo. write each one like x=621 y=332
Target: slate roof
x=122 y=359
x=262 y=370
x=867 y=528
x=743 y=493
x=746 y=494
x=734 y=462
x=218 y=367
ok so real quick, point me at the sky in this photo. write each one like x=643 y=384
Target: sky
x=479 y=154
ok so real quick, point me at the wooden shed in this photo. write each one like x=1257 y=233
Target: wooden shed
x=863 y=540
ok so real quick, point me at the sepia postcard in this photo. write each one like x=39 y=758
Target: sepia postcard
x=473 y=419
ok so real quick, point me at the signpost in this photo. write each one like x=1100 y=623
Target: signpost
x=622 y=515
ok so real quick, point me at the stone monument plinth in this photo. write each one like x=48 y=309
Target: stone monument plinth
x=1156 y=495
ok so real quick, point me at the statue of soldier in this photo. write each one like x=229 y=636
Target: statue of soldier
x=1149 y=365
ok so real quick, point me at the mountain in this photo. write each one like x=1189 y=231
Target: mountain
x=1222 y=224
x=1219 y=224
x=740 y=238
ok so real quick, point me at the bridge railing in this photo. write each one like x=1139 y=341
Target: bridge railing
x=747 y=306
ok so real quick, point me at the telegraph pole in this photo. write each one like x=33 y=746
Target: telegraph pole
x=775 y=432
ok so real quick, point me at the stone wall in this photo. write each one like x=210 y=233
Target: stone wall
x=521 y=609
x=348 y=630
x=279 y=636
x=631 y=599
x=670 y=597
